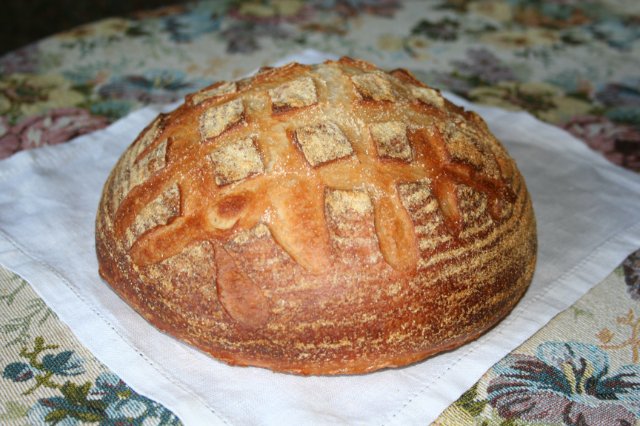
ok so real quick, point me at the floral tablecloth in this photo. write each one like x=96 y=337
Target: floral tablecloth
x=573 y=64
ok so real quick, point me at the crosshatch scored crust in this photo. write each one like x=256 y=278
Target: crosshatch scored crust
x=326 y=219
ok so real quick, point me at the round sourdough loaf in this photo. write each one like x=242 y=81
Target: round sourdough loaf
x=327 y=219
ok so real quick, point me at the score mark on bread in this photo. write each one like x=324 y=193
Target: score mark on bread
x=327 y=194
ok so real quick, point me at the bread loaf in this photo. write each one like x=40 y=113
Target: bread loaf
x=326 y=219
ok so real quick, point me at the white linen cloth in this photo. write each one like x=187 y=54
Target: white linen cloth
x=588 y=214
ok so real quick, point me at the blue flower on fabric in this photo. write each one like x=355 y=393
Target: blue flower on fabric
x=153 y=86
x=108 y=402
x=201 y=18
x=18 y=372
x=622 y=101
x=567 y=383
x=126 y=409
x=110 y=388
x=40 y=413
x=65 y=363
x=354 y=7
x=620 y=94
x=482 y=65
x=124 y=405
x=112 y=108
x=620 y=34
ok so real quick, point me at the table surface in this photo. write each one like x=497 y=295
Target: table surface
x=574 y=65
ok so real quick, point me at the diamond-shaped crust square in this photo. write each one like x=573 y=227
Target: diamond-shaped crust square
x=140 y=170
x=348 y=203
x=219 y=89
x=428 y=96
x=149 y=164
x=322 y=143
x=373 y=86
x=298 y=93
x=391 y=140
x=351 y=226
x=157 y=212
x=236 y=161
x=467 y=145
x=217 y=119
x=145 y=140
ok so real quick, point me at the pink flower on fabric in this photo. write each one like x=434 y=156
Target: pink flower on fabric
x=619 y=143
x=56 y=126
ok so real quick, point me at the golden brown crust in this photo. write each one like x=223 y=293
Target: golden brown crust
x=329 y=219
